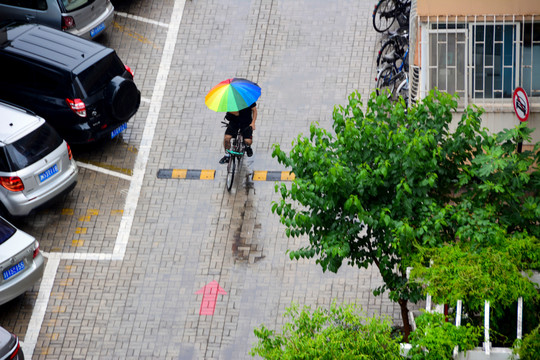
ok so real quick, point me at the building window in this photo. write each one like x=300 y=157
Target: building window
x=482 y=58
x=531 y=59
x=494 y=60
x=447 y=70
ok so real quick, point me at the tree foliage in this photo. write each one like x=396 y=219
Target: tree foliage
x=341 y=332
x=475 y=274
x=529 y=347
x=434 y=338
x=386 y=184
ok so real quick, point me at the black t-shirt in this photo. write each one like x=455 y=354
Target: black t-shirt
x=244 y=117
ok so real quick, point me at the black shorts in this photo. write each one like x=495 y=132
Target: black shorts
x=232 y=129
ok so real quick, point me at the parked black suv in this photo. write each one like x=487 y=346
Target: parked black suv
x=80 y=87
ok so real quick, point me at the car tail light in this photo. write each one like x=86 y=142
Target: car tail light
x=70 y=154
x=77 y=106
x=128 y=69
x=36 y=249
x=67 y=22
x=12 y=183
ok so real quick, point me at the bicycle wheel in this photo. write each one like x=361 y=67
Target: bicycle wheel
x=402 y=89
x=391 y=45
x=385 y=81
x=384 y=15
x=231 y=167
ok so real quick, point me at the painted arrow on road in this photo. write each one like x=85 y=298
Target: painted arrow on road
x=210 y=292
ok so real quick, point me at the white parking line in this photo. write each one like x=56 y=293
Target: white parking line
x=149 y=129
x=53 y=259
x=103 y=170
x=138 y=18
x=38 y=314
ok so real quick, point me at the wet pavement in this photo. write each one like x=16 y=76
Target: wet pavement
x=130 y=253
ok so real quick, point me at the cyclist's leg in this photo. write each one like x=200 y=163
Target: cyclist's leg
x=229 y=133
x=227 y=142
x=247 y=133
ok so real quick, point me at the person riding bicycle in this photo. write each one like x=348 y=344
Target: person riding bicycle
x=243 y=120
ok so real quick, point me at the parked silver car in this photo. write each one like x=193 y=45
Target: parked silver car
x=10 y=348
x=36 y=164
x=85 y=18
x=21 y=262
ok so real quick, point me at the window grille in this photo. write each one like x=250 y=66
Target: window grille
x=481 y=58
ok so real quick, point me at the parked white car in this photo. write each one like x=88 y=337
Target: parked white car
x=36 y=164
x=21 y=262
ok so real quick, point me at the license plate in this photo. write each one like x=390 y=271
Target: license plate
x=97 y=29
x=13 y=270
x=118 y=130
x=48 y=173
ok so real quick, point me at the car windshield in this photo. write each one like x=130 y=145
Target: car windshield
x=75 y=4
x=6 y=230
x=97 y=76
x=33 y=147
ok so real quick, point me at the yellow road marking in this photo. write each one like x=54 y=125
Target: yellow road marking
x=77 y=243
x=66 y=282
x=179 y=173
x=134 y=35
x=287 y=176
x=260 y=175
x=207 y=174
x=80 y=230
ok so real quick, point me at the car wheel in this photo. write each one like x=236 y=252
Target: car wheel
x=124 y=98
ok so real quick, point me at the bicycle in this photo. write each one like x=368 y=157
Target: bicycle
x=387 y=11
x=391 y=75
x=236 y=152
x=397 y=42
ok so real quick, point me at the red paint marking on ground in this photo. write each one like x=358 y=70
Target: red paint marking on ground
x=210 y=292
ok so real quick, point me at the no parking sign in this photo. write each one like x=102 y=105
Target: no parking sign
x=521 y=104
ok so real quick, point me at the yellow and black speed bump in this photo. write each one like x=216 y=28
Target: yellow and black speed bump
x=273 y=176
x=186 y=174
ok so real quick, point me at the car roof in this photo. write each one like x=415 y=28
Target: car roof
x=16 y=122
x=48 y=45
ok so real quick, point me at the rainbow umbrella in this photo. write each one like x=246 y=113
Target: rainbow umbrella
x=232 y=95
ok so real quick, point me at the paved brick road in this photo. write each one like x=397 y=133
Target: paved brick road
x=128 y=251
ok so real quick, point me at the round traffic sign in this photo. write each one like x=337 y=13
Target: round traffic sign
x=521 y=104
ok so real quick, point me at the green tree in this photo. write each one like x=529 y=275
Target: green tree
x=529 y=347
x=435 y=339
x=387 y=183
x=341 y=332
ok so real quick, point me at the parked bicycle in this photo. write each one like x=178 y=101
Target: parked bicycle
x=397 y=41
x=236 y=152
x=386 y=12
x=394 y=79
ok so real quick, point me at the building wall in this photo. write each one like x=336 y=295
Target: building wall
x=500 y=113
x=498 y=121
x=477 y=7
